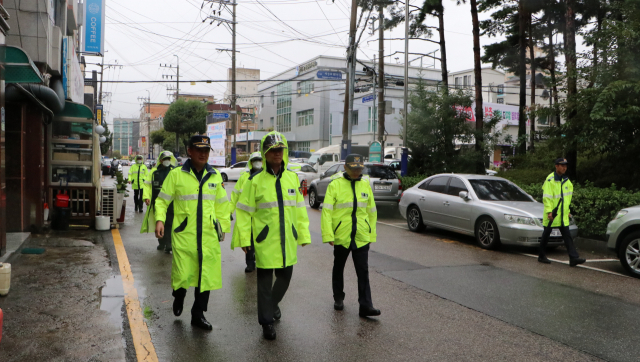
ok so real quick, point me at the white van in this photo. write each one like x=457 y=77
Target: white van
x=325 y=157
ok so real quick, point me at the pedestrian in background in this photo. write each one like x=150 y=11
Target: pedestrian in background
x=557 y=192
x=137 y=175
x=273 y=209
x=152 y=186
x=201 y=211
x=349 y=224
x=255 y=166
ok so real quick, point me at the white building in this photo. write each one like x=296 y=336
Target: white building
x=246 y=87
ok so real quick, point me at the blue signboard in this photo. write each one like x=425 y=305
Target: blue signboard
x=368 y=98
x=65 y=66
x=93 y=26
x=329 y=74
x=221 y=115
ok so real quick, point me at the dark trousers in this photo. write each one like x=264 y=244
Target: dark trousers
x=269 y=293
x=568 y=241
x=251 y=255
x=199 y=304
x=168 y=227
x=137 y=199
x=360 y=258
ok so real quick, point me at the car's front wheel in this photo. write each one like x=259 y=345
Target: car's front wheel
x=313 y=199
x=224 y=177
x=414 y=219
x=629 y=253
x=487 y=233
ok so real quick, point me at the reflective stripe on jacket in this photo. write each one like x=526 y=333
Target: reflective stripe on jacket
x=556 y=194
x=137 y=174
x=197 y=206
x=274 y=209
x=235 y=195
x=349 y=212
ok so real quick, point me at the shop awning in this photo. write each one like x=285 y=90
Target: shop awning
x=75 y=112
x=19 y=68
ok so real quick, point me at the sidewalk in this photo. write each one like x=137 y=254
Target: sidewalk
x=53 y=310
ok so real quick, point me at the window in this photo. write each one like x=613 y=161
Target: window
x=262 y=100
x=500 y=100
x=373 y=119
x=389 y=144
x=424 y=185
x=465 y=83
x=283 y=121
x=271 y=122
x=273 y=97
x=501 y=89
x=455 y=186
x=305 y=87
x=332 y=170
x=381 y=172
x=305 y=118
x=458 y=82
x=438 y=184
x=495 y=190
x=307 y=168
x=303 y=146
x=261 y=124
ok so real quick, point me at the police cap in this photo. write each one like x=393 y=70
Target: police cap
x=561 y=161
x=273 y=141
x=199 y=141
x=354 y=160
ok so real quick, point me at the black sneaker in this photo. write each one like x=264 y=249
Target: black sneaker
x=544 y=260
x=338 y=305
x=369 y=312
x=160 y=247
x=269 y=332
x=574 y=262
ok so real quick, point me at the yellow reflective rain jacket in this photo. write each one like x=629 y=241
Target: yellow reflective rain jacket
x=149 y=223
x=349 y=212
x=274 y=209
x=137 y=174
x=235 y=195
x=197 y=205
x=556 y=196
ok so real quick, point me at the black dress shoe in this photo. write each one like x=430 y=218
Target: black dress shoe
x=277 y=314
x=250 y=268
x=338 y=305
x=160 y=247
x=369 y=312
x=177 y=306
x=201 y=322
x=543 y=259
x=269 y=332
x=167 y=250
x=574 y=262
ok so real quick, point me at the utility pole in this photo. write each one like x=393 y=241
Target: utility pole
x=381 y=104
x=351 y=79
x=404 y=163
x=233 y=22
x=177 y=149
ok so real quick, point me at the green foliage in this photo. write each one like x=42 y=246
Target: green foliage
x=121 y=183
x=410 y=181
x=525 y=176
x=117 y=154
x=168 y=140
x=185 y=118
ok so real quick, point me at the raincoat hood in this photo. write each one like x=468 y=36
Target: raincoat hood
x=281 y=139
x=174 y=161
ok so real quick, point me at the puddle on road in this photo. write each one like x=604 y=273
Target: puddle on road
x=111 y=300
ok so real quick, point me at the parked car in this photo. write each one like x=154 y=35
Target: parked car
x=181 y=160
x=307 y=173
x=492 y=209
x=623 y=235
x=385 y=184
x=106 y=167
x=232 y=173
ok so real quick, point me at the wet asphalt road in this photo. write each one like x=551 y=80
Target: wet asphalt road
x=441 y=297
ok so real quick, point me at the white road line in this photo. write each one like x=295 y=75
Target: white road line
x=394 y=225
x=601 y=260
x=581 y=266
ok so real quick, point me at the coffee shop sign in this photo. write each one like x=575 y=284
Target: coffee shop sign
x=306 y=67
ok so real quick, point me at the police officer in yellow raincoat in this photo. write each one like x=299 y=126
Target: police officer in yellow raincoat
x=137 y=175
x=557 y=192
x=348 y=223
x=201 y=214
x=254 y=166
x=152 y=186
x=272 y=207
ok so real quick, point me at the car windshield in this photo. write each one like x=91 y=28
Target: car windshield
x=379 y=171
x=498 y=190
x=313 y=159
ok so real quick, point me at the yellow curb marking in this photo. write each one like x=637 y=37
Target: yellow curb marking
x=145 y=351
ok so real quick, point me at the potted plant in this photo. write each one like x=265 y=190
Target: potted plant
x=121 y=187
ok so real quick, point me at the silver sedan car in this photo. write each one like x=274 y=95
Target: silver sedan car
x=492 y=209
x=623 y=235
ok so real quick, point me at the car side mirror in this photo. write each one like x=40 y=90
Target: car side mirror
x=464 y=195
x=322 y=175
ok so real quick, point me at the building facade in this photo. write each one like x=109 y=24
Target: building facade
x=306 y=103
x=151 y=116
x=246 y=87
x=123 y=137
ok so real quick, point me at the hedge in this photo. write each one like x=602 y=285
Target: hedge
x=592 y=207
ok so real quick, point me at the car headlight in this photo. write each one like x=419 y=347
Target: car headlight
x=524 y=220
x=620 y=214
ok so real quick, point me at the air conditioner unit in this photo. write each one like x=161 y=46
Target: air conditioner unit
x=109 y=206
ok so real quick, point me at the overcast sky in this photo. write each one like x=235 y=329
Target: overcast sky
x=273 y=35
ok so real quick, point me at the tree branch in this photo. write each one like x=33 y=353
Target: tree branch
x=424 y=55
